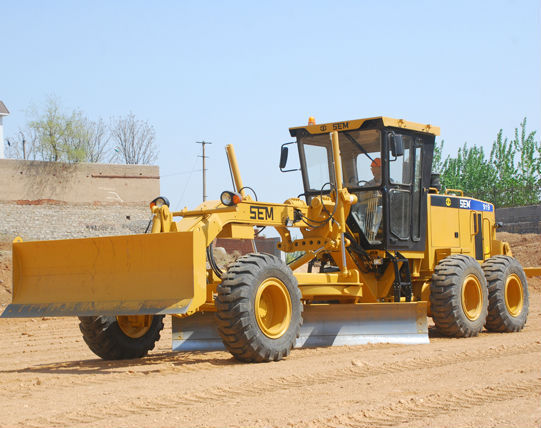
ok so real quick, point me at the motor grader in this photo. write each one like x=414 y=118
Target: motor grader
x=383 y=248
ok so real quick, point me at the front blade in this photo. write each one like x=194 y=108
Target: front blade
x=323 y=325
x=117 y=275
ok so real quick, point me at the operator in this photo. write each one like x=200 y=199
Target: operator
x=375 y=168
x=368 y=211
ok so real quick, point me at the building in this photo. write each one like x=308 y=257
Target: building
x=3 y=112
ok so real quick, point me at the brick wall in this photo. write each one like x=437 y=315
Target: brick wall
x=40 y=222
x=520 y=219
x=52 y=200
x=78 y=183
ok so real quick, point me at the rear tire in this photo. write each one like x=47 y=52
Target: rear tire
x=508 y=301
x=122 y=337
x=459 y=296
x=259 y=309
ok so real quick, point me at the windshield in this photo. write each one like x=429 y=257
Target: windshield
x=359 y=150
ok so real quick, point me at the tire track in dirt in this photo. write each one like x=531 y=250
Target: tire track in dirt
x=417 y=408
x=89 y=373
x=220 y=395
x=108 y=372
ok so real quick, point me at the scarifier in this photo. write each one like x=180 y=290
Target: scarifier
x=383 y=248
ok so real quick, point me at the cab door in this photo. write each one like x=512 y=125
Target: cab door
x=406 y=197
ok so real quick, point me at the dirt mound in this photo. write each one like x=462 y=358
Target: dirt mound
x=5 y=273
x=526 y=248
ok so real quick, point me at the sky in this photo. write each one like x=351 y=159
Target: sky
x=243 y=72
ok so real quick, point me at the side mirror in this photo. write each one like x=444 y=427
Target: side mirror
x=397 y=145
x=283 y=157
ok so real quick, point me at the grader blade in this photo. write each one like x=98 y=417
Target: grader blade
x=117 y=275
x=323 y=325
x=349 y=324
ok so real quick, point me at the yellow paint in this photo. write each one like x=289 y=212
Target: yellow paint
x=134 y=326
x=514 y=295
x=273 y=308
x=235 y=168
x=472 y=297
x=237 y=231
x=122 y=272
x=349 y=125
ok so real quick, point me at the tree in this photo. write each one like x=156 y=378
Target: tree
x=134 y=140
x=437 y=163
x=528 y=165
x=511 y=176
x=51 y=134
x=96 y=141
x=22 y=145
x=56 y=136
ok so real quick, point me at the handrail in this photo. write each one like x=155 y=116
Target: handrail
x=449 y=191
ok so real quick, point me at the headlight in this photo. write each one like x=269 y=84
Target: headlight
x=159 y=201
x=230 y=198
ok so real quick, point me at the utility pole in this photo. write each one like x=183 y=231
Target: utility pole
x=203 y=143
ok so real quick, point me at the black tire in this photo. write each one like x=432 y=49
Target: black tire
x=508 y=300
x=459 y=296
x=108 y=338
x=249 y=327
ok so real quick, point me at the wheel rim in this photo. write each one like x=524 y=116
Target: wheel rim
x=273 y=308
x=472 y=297
x=134 y=326
x=514 y=295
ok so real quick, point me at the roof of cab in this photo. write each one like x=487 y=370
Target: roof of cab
x=349 y=125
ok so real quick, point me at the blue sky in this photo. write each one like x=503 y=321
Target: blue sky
x=244 y=72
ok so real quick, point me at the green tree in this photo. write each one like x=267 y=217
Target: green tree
x=528 y=165
x=59 y=137
x=510 y=176
x=53 y=135
x=437 y=162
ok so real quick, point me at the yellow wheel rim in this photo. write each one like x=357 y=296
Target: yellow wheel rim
x=472 y=297
x=514 y=295
x=273 y=308
x=134 y=326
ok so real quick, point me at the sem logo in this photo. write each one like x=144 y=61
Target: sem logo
x=261 y=213
x=465 y=203
x=448 y=202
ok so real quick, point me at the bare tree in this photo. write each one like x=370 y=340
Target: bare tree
x=22 y=145
x=96 y=140
x=134 y=140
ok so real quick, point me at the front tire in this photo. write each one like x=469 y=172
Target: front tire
x=121 y=337
x=259 y=312
x=508 y=300
x=459 y=296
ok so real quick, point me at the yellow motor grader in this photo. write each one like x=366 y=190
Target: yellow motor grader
x=383 y=248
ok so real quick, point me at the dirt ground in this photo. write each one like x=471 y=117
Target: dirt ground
x=49 y=378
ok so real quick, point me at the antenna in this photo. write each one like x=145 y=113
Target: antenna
x=203 y=144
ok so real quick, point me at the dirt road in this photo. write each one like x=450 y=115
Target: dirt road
x=48 y=377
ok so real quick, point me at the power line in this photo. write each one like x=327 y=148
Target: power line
x=179 y=173
x=187 y=182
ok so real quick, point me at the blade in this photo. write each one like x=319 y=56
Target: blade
x=323 y=325
x=134 y=274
